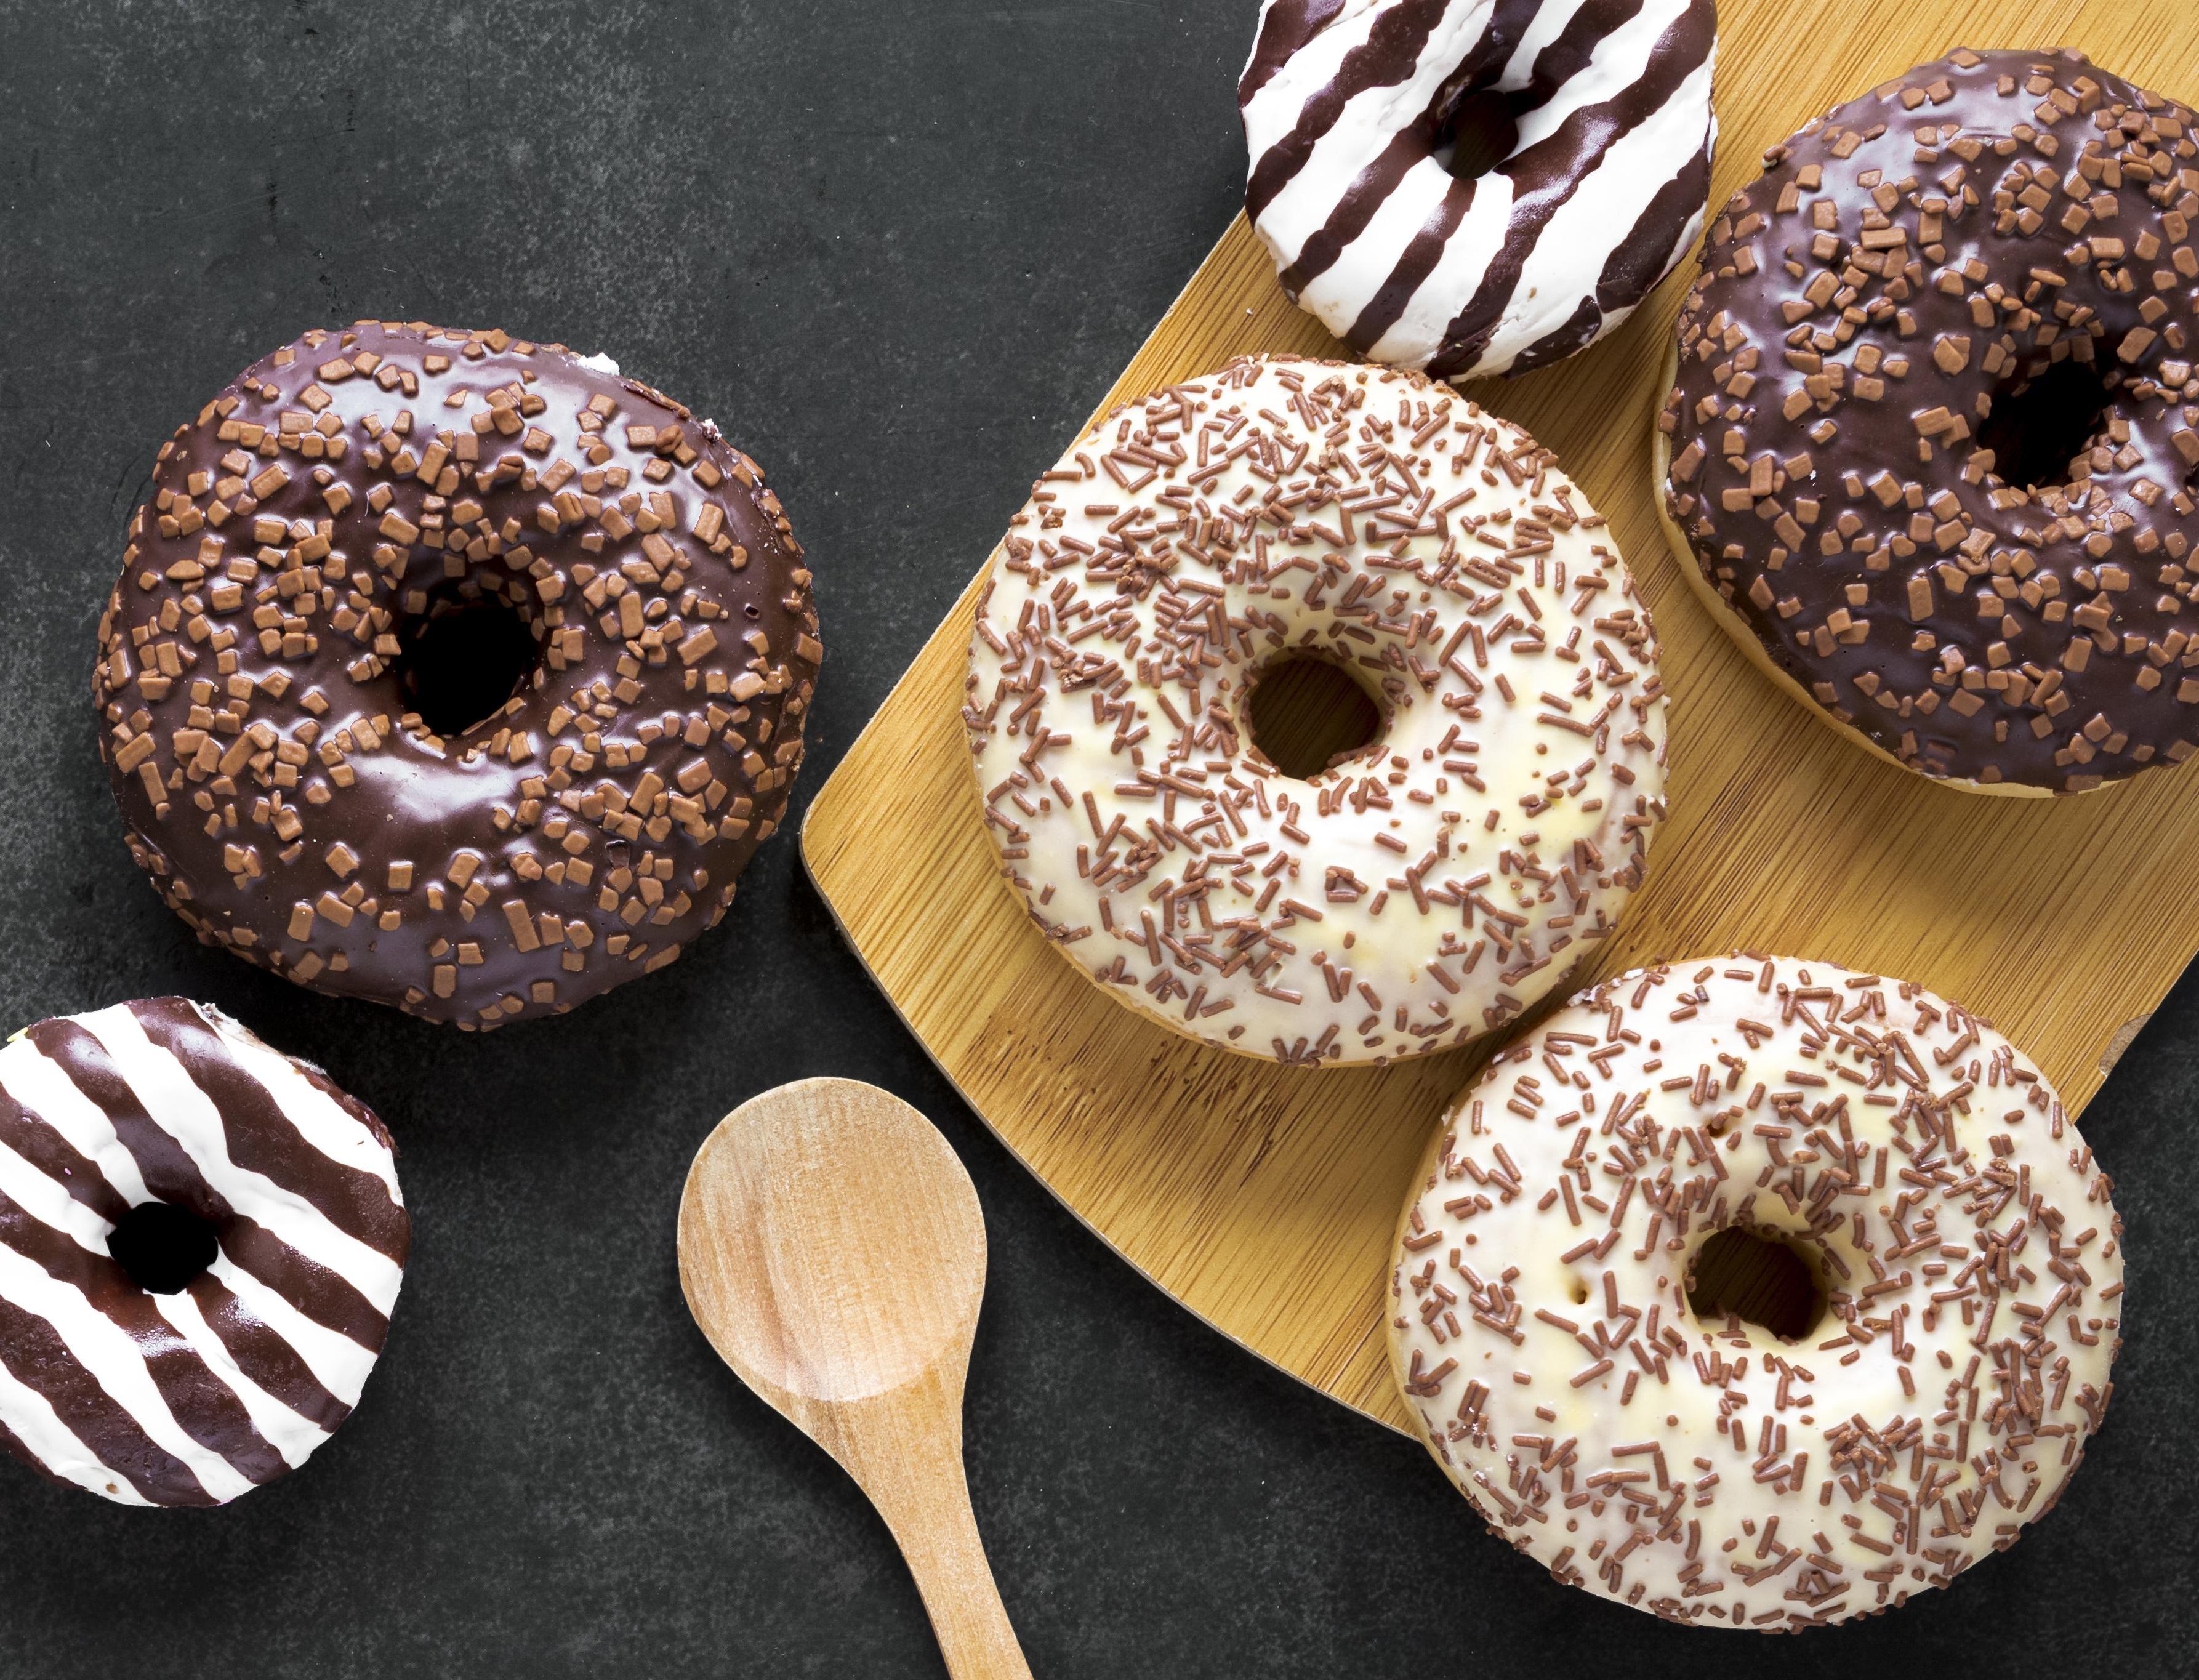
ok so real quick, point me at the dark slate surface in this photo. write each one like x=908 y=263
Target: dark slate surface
x=897 y=250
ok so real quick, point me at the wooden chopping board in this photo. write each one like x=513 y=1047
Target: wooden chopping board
x=1264 y=1198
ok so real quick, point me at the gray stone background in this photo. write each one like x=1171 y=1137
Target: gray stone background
x=898 y=250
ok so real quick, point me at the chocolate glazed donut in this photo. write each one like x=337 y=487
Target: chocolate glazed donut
x=453 y=671
x=1930 y=446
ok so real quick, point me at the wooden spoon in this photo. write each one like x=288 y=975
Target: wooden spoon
x=832 y=1249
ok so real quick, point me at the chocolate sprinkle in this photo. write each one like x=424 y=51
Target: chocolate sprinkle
x=1657 y=1447
x=1888 y=325
x=357 y=487
x=1412 y=893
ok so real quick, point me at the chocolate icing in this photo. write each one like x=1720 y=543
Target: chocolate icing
x=1869 y=317
x=314 y=517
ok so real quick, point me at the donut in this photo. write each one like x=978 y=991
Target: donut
x=452 y=671
x=1469 y=187
x=201 y=1242
x=1323 y=539
x=1758 y=1294
x=1928 y=450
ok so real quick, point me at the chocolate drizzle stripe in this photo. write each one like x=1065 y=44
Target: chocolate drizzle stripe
x=262 y=1137
x=197 y=1401
x=163 y=1164
x=263 y=1354
x=1413 y=267
x=14 y=1400
x=38 y=1434
x=1366 y=195
x=194 y=1398
x=326 y=1296
x=32 y=1431
x=47 y=1199
x=1569 y=56
x=1284 y=26
x=1578 y=329
x=43 y=1147
x=44 y=1087
x=334 y=1361
x=43 y=1438
x=1393 y=301
x=1634 y=267
x=1545 y=175
x=1491 y=55
x=132 y=1079
x=130 y=1432
x=1389 y=56
x=290 y=1433
x=1380 y=181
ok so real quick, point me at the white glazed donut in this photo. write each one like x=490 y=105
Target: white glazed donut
x=1929 y=1188
x=1411 y=895
x=201 y=1242
x=1352 y=112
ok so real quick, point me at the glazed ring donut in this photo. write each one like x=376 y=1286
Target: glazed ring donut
x=1761 y=1294
x=201 y=1242
x=1930 y=446
x=452 y=671
x=1286 y=519
x=1593 y=122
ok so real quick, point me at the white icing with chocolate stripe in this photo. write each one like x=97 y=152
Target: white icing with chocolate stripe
x=1350 y=110
x=1959 y=1232
x=1413 y=895
x=195 y=1397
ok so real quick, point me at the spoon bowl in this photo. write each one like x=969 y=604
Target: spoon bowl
x=832 y=1249
x=830 y=1243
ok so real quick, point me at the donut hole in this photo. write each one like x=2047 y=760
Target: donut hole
x=1304 y=713
x=462 y=659
x=1758 y=1277
x=1475 y=135
x=162 y=1246
x=2042 y=421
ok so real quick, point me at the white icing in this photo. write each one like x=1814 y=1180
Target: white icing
x=1493 y=1231
x=319 y=1119
x=293 y=1436
x=112 y=1360
x=41 y=1087
x=188 y=1114
x=1521 y=875
x=49 y=1097
x=338 y=1363
x=35 y=1423
x=1567 y=258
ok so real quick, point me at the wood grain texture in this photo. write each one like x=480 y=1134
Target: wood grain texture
x=1264 y=1200
x=832 y=1249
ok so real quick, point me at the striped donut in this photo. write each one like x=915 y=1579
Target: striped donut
x=128 y=1137
x=1354 y=113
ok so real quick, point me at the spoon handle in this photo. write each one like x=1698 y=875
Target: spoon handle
x=905 y=1448
x=947 y=1558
